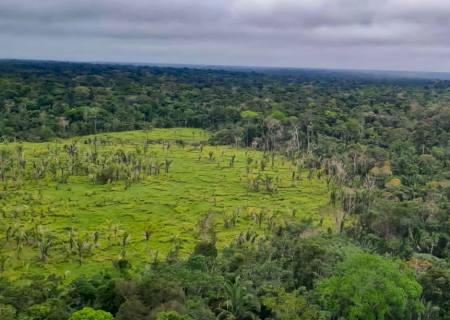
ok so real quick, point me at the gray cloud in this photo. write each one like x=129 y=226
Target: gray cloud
x=379 y=34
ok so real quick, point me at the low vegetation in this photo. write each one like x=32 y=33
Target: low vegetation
x=73 y=205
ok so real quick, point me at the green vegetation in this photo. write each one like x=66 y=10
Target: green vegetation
x=75 y=205
x=369 y=287
x=286 y=194
x=91 y=314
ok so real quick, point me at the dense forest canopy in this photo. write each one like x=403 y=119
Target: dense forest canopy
x=382 y=146
x=45 y=100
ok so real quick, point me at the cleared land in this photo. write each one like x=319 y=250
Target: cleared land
x=201 y=181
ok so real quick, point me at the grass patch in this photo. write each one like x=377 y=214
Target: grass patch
x=171 y=205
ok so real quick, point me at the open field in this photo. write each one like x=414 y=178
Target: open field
x=49 y=217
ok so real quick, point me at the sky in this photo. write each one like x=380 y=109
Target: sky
x=348 y=34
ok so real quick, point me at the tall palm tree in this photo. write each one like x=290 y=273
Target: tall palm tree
x=167 y=164
x=96 y=238
x=72 y=243
x=82 y=246
x=123 y=243
x=45 y=243
x=239 y=303
x=20 y=237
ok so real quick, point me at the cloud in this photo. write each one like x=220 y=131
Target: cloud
x=382 y=34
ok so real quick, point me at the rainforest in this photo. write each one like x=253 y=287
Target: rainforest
x=135 y=192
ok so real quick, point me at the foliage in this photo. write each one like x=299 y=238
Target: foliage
x=289 y=305
x=369 y=287
x=7 y=312
x=436 y=289
x=171 y=316
x=91 y=314
x=82 y=200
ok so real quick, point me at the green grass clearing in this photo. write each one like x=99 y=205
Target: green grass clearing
x=171 y=204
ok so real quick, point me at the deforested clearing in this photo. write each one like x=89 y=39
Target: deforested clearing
x=69 y=206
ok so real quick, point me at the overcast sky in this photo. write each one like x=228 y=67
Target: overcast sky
x=363 y=34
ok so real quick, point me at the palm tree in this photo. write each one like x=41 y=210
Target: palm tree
x=173 y=254
x=268 y=182
x=20 y=237
x=114 y=230
x=167 y=164
x=259 y=217
x=96 y=238
x=123 y=243
x=3 y=260
x=239 y=303
x=81 y=246
x=333 y=197
x=9 y=233
x=247 y=237
x=72 y=243
x=45 y=243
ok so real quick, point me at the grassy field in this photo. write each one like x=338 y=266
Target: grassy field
x=202 y=181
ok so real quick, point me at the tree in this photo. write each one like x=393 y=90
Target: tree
x=45 y=243
x=132 y=309
x=91 y=314
x=248 y=116
x=82 y=247
x=7 y=312
x=289 y=305
x=172 y=315
x=436 y=289
x=313 y=258
x=239 y=303
x=369 y=287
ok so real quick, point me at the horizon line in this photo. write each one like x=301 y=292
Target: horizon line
x=411 y=73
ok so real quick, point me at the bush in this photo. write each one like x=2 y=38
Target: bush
x=172 y=316
x=91 y=314
x=7 y=312
x=366 y=286
x=206 y=248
